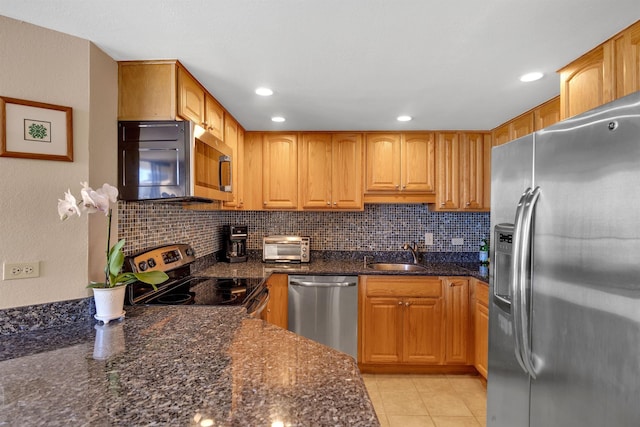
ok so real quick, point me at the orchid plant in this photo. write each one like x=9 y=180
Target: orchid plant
x=100 y=201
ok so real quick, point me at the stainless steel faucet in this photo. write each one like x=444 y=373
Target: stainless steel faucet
x=413 y=247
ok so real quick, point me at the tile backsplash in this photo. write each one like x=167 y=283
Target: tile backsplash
x=380 y=227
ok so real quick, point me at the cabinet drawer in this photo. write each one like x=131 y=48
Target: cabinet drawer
x=482 y=293
x=400 y=286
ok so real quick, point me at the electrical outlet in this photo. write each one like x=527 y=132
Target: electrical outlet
x=457 y=241
x=20 y=270
x=428 y=239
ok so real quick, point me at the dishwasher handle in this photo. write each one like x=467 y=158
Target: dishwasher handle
x=321 y=284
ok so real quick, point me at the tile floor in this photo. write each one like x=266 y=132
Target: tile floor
x=427 y=400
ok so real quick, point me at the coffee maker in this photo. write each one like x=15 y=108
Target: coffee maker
x=235 y=243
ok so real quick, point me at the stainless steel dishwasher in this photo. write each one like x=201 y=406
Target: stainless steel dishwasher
x=325 y=309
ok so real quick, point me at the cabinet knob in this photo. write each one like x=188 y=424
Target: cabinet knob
x=468 y=203
x=335 y=203
x=406 y=304
x=442 y=204
x=397 y=186
x=328 y=203
x=404 y=186
x=264 y=203
x=399 y=302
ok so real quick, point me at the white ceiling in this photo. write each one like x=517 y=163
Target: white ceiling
x=351 y=64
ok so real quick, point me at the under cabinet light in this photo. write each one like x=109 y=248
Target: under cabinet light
x=404 y=118
x=277 y=119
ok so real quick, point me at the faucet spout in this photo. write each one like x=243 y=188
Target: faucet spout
x=413 y=247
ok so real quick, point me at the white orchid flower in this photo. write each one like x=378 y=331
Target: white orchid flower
x=109 y=191
x=68 y=207
x=93 y=201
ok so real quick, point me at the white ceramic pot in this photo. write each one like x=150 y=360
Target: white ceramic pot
x=109 y=303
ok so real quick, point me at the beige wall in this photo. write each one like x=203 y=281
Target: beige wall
x=42 y=65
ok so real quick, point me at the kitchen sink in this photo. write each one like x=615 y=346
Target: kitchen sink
x=387 y=266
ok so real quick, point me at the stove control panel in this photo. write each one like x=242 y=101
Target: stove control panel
x=162 y=258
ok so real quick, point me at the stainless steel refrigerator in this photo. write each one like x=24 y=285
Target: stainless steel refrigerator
x=564 y=316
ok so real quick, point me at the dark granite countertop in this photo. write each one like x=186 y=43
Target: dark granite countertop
x=257 y=269
x=183 y=365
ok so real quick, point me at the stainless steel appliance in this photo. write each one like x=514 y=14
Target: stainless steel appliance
x=564 y=313
x=293 y=249
x=235 y=243
x=325 y=309
x=184 y=288
x=172 y=161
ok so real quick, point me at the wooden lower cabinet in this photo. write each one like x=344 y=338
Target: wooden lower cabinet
x=276 y=311
x=401 y=322
x=456 y=296
x=481 y=327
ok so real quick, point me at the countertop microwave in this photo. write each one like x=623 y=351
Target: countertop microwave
x=292 y=249
x=172 y=161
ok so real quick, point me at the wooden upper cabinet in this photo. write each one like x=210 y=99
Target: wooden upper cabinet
x=147 y=90
x=448 y=194
x=232 y=139
x=400 y=163
x=315 y=171
x=214 y=117
x=475 y=171
x=191 y=98
x=627 y=60
x=464 y=171
x=546 y=114
x=522 y=125
x=280 y=171
x=502 y=134
x=383 y=162
x=346 y=171
x=251 y=172
x=418 y=154
x=587 y=82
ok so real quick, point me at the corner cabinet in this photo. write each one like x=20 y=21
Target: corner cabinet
x=464 y=172
x=331 y=171
x=400 y=321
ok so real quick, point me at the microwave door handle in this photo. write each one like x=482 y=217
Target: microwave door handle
x=515 y=282
x=221 y=160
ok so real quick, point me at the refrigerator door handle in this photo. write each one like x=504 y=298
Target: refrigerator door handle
x=516 y=265
x=525 y=277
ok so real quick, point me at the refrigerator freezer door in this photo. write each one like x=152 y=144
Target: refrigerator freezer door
x=586 y=270
x=507 y=383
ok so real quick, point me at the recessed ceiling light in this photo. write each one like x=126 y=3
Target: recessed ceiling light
x=531 y=77
x=264 y=91
x=404 y=118
x=277 y=119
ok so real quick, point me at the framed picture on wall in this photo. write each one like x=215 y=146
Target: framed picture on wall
x=35 y=130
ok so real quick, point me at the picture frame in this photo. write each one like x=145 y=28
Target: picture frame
x=35 y=130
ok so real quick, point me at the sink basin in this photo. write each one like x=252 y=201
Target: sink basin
x=396 y=266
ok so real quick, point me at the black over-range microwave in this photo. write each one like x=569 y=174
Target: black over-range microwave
x=172 y=161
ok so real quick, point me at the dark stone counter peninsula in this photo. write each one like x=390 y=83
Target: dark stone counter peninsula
x=178 y=366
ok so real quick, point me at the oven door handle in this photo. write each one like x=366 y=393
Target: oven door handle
x=256 y=313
